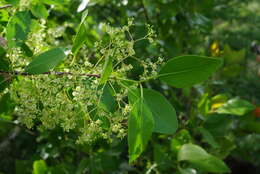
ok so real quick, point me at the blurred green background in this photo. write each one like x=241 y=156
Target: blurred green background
x=217 y=28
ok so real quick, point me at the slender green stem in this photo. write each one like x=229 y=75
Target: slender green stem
x=131 y=37
x=141 y=88
x=120 y=62
x=128 y=80
x=102 y=57
x=149 y=78
x=73 y=60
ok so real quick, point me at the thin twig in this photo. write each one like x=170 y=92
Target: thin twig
x=5 y=6
x=47 y=73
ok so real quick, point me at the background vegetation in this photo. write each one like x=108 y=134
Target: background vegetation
x=221 y=115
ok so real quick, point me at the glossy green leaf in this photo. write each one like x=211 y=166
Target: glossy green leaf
x=191 y=152
x=208 y=137
x=39 y=10
x=237 y=107
x=26 y=49
x=108 y=101
x=107 y=69
x=187 y=171
x=18 y=28
x=40 y=167
x=140 y=127
x=185 y=71
x=45 y=61
x=199 y=158
x=81 y=35
x=164 y=115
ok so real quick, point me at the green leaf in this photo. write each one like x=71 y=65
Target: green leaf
x=199 y=158
x=18 y=28
x=208 y=137
x=54 y=2
x=164 y=115
x=28 y=52
x=108 y=101
x=237 y=107
x=45 y=61
x=218 y=124
x=187 y=171
x=39 y=10
x=39 y=167
x=81 y=35
x=232 y=57
x=6 y=105
x=161 y=157
x=191 y=152
x=185 y=71
x=82 y=5
x=107 y=69
x=140 y=127
x=4 y=16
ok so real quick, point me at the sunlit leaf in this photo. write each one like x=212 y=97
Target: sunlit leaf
x=45 y=61
x=199 y=158
x=140 y=127
x=236 y=107
x=185 y=71
x=39 y=167
x=107 y=69
x=81 y=35
x=18 y=28
x=164 y=115
x=82 y=5
x=39 y=10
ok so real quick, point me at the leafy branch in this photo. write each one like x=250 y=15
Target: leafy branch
x=5 y=6
x=47 y=73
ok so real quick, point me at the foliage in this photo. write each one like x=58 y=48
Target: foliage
x=98 y=86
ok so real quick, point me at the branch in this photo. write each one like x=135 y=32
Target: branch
x=5 y=6
x=48 y=73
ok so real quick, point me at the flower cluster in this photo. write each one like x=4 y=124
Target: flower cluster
x=37 y=37
x=76 y=102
